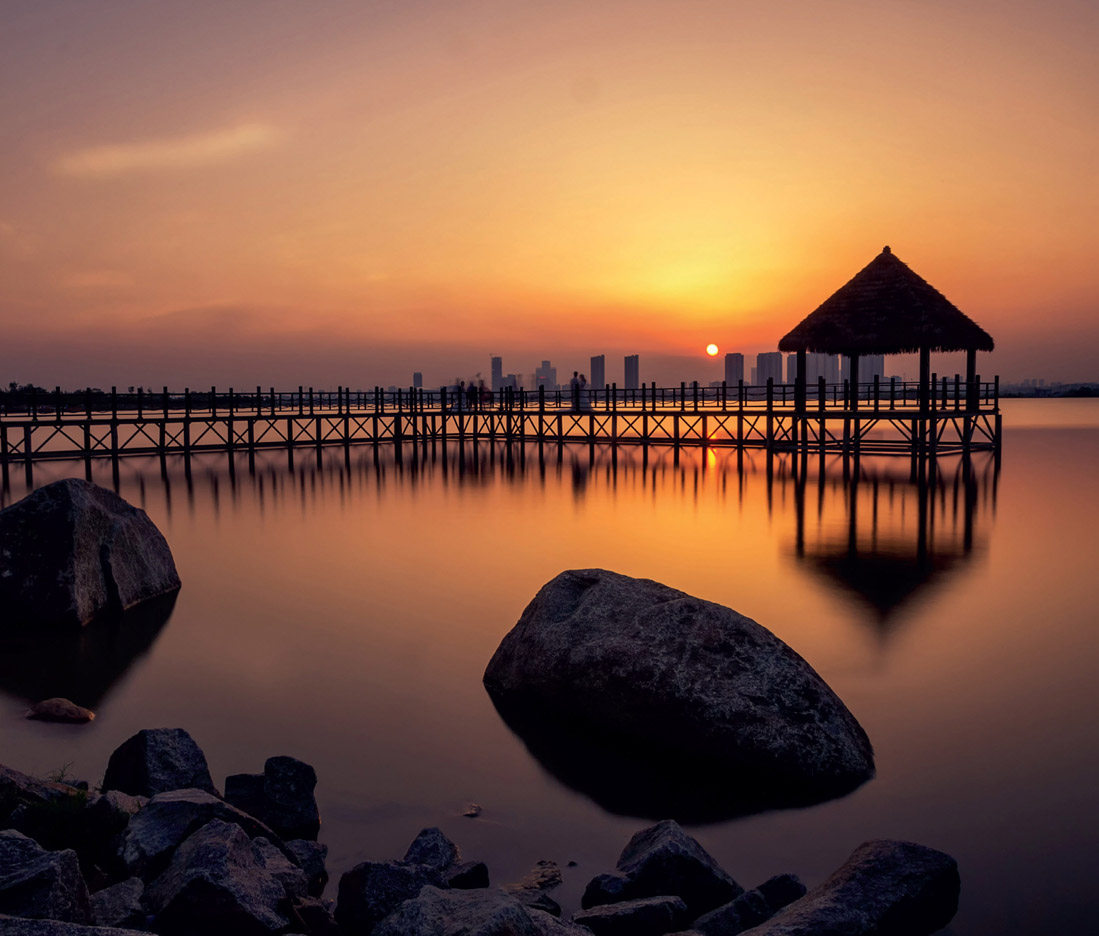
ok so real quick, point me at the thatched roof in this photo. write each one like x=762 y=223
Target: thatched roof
x=886 y=309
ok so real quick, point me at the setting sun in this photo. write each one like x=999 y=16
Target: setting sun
x=711 y=349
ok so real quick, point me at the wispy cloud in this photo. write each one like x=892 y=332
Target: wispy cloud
x=182 y=152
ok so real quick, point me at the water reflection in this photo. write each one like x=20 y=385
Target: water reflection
x=886 y=534
x=82 y=665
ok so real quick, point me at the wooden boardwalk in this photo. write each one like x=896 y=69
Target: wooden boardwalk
x=874 y=418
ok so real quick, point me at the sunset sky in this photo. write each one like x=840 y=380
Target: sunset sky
x=344 y=192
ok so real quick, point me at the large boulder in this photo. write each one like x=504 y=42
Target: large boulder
x=72 y=550
x=688 y=682
x=885 y=886
x=282 y=797
x=156 y=760
x=217 y=885
x=19 y=926
x=438 y=912
x=155 y=832
x=310 y=856
x=40 y=884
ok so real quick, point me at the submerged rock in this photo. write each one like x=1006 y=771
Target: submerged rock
x=157 y=760
x=884 y=887
x=41 y=884
x=60 y=710
x=686 y=684
x=71 y=551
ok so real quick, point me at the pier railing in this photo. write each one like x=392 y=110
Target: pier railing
x=877 y=395
x=878 y=416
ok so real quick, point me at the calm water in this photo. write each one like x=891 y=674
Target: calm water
x=343 y=612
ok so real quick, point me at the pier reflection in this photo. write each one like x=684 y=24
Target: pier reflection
x=886 y=533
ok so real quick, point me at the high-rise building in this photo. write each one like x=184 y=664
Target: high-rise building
x=734 y=368
x=769 y=367
x=792 y=368
x=633 y=372
x=754 y=379
x=546 y=376
x=418 y=380
x=497 y=374
x=598 y=372
x=869 y=365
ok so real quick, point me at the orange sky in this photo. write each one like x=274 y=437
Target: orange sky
x=282 y=192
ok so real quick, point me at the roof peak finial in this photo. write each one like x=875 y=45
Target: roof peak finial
x=886 y=250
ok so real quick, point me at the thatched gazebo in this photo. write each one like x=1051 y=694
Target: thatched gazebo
x=887 y=309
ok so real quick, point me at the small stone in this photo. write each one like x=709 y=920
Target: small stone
x=60 y=710
x=650 y=916
x=433 y=849
x=472 y=811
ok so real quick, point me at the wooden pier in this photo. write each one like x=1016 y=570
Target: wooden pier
x=881 y=417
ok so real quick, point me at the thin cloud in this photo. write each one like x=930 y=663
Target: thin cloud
x=183 y=152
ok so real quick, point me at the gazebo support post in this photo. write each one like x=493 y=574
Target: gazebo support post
x=853 y=367
x=925 y=393
x=800 y=397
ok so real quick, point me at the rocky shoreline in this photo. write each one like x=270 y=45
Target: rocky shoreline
x=158 y=849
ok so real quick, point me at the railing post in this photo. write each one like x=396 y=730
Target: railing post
x=187 y=402
x=140 y=402
x=114 y=405
x=892 y=392
x=272 y=401
x=301 y=400
x=213 y=402
x=614 y=396
x=259 y=401
x=165 y=391
x=541 y=398
x=877 y=393
x=682 y=395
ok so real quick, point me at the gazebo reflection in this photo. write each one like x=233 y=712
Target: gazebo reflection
x=886 y=536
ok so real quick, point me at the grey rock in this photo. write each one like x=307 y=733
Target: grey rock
x=158 y=760
x=292 y=878
x=155 y=832
x=19 y=926
x=548 y=925
x=281 y=797
x=607 y=888
x=438 y=912
x=215 y=885
x=531 y=889
x=72 y=550
x=748 y=910
x=885 y=886
x=634 y=659
x=120 y=905
x=245 y=791
x=372 y=890
x=310 y=856
x=433 y=849
x=317 y=916
x=40 y=884
x=467 y=876
x=60 y=710
x=650 y=916
x=664 y=859
x=780 y=890
x=49 y=812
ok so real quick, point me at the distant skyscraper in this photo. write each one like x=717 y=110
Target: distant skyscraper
x=875 y=365
x=769 y=367
x=546 y=376
x=633 y=369
x=598 y=372
x=497 y=374
x=418 y=380
x=734 y=368
x=754 y=379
